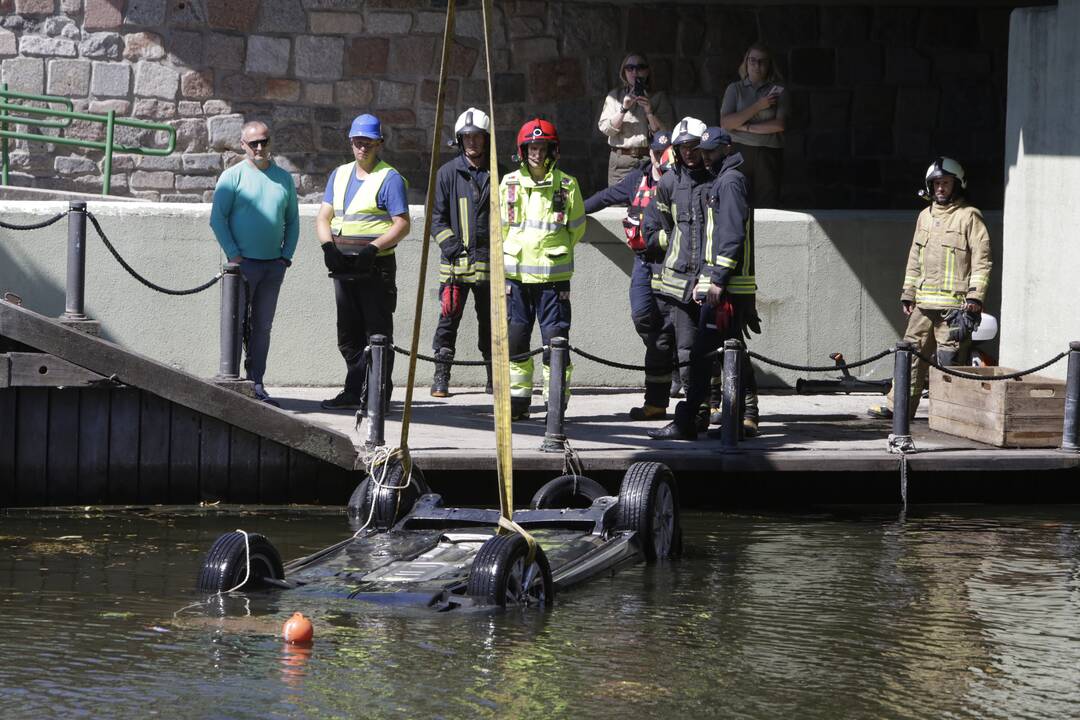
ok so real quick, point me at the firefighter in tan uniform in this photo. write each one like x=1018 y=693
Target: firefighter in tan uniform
x=948 y=272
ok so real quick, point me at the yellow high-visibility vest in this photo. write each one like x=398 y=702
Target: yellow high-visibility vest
x=363 y=221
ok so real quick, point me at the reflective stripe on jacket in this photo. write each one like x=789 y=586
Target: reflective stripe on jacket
x=459 y=221
x=676 y=217
x=949 y=259
x=729 y=232
x=363 y=221
x=542 y=222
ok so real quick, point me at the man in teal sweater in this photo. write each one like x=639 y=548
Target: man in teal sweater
x=256 y=221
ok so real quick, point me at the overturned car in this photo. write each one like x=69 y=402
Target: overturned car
x=409 y=548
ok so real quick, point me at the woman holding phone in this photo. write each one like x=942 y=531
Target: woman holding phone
x=753 y=111
x=632 y=114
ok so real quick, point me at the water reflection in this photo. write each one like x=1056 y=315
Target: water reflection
x=949 y=613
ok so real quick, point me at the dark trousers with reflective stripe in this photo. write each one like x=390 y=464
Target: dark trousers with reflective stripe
x=365 y=307
x=452 y=297
x=679 y=330
x=527 y=303
x=649 y=324
x=703 y=366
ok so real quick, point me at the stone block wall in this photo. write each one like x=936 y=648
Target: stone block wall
x=876 y=92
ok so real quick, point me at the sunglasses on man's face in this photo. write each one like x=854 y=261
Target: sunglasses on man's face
x=364 y=143
x=258 y=142
x=631 y=66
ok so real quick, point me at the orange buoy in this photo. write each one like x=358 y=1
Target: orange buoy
x=297 y=629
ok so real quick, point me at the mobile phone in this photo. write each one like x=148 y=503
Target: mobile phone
x=639 y=87
x=776 y=89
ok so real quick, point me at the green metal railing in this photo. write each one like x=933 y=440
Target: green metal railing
x=65 y=117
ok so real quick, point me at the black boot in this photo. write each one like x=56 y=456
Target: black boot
x=440 y=386
x=684 y=427
x=488 y=387
x=519 y=408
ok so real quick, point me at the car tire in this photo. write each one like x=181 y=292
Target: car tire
x=226 y=564
x=391 y=504
x=649 y=505
x=568 y=491
x=499 y=575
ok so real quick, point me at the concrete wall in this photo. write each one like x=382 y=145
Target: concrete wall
x=829 y=281
x=1040 y=303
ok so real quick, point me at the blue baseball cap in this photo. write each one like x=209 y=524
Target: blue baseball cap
x=713 y=138
x=367 y=126
x=661 y=141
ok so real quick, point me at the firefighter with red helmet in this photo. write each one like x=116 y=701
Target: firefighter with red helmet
x=947 y=275
x=543 y=218
x=459 y=225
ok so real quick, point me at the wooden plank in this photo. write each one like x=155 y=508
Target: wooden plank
x=63 y=444
x=8 y=406
x=273 y=472
x=94 y=445
x=184 y=455
x=303 y=477
x=124 y=446
x=243 y=467
x=153 y=448
x=214 y=460
x=994 y=428
x=31 y=446
x=108 y=359
x=45 y=370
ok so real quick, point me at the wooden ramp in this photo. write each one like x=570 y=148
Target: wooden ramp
x=127 y=429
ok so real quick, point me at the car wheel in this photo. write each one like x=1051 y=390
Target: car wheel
x=501 y=575
x=649 y=505
x=226 y=565
x=568 y=491
x=391 y=501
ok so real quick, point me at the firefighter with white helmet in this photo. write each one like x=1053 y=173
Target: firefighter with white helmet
x=947 y=276
x=459 y=225
x=543 y=218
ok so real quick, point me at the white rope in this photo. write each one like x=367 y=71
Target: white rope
x=377 y=464
x=222 y=593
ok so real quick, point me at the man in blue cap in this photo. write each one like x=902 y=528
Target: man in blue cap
x=364 y=214
x=725 y=284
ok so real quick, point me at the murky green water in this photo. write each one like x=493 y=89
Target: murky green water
x=950 y=613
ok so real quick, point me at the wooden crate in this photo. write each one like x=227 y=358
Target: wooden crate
x=1028 y=412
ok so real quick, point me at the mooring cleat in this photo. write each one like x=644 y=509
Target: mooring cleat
x=648 y=412
x=881 y=412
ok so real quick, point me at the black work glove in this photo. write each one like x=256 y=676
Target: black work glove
x=365 y=258
x=332 y=257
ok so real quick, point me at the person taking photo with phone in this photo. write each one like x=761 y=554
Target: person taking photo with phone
x=754 y=111
x=633 y=112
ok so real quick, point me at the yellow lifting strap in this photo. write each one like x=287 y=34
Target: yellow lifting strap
x=500 y=355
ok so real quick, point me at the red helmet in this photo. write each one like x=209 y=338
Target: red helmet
x=537 y=130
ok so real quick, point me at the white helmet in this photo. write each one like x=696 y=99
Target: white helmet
x=688 y=129
x=471 y=121
x=941 y=167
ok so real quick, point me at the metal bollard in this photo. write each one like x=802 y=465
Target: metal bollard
x=1070 y=435
x=900 y=440
x=376 y=387
x=231 y=328
x=555 y=432
x=731 y=413
x=75 y=295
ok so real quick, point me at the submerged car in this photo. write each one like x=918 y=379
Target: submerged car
x=411 y=549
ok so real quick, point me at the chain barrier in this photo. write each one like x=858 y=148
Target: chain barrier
x=973 y=376
x=819 y=368
x=131 y=271
x=467 y=363
x=34 y=226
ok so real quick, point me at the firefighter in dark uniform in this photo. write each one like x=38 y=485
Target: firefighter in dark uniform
x=724 y=285
x=459 y=224
x=636 y=190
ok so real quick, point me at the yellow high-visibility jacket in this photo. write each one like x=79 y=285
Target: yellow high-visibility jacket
x=949 y=259
x=363 y=220
x=542 y=222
